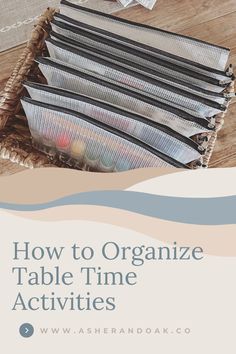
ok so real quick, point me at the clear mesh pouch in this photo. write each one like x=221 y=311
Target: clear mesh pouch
x=80 y=82
x=157 y=136
x=193 y=50
x=144 y=68
x=183 y=99
x=94 y=146
x=210 y=80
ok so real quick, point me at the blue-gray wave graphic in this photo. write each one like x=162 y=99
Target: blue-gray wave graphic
x=201 y=211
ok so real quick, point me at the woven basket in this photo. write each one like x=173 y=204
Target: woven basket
x=15 y=139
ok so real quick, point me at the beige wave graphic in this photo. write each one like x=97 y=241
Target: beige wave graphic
x=47 y=184
x=215 y=240
x=200 y=183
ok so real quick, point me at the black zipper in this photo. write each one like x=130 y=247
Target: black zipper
x=143 y=78
x=109 y=129
x=200 y=121
x=68 y=41
x=165 y=63
x=116 y=110
x=141 y=45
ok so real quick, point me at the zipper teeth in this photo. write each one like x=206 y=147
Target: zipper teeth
x=141 y=25
x=154 y=59
x=142 y=77
x=136 y=117
x=70 y=42
x=107 y=128
x=202 y=122
x=138 y=44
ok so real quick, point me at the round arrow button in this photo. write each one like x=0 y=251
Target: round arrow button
x=26 y=330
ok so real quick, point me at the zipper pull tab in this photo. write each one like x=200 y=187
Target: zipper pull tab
x=197 y=164
x=229 y=94
x=212 y=123
x=230 y=71
x=226 y=81
x=203 y=143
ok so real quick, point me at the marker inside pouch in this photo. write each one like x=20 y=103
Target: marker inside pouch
x=91 y=157
x=154 y=134
x=121 y=146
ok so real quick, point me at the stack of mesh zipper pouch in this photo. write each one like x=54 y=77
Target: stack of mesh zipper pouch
x=122 y=95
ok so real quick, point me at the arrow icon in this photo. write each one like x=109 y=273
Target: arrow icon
x=26 y=330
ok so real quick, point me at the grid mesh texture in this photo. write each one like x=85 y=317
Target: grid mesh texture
x=144 y=68
x=189 y=48
x=160 y=140
x=117 y=75
x=137 y=58
x=86 y=142
x=61 y=78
